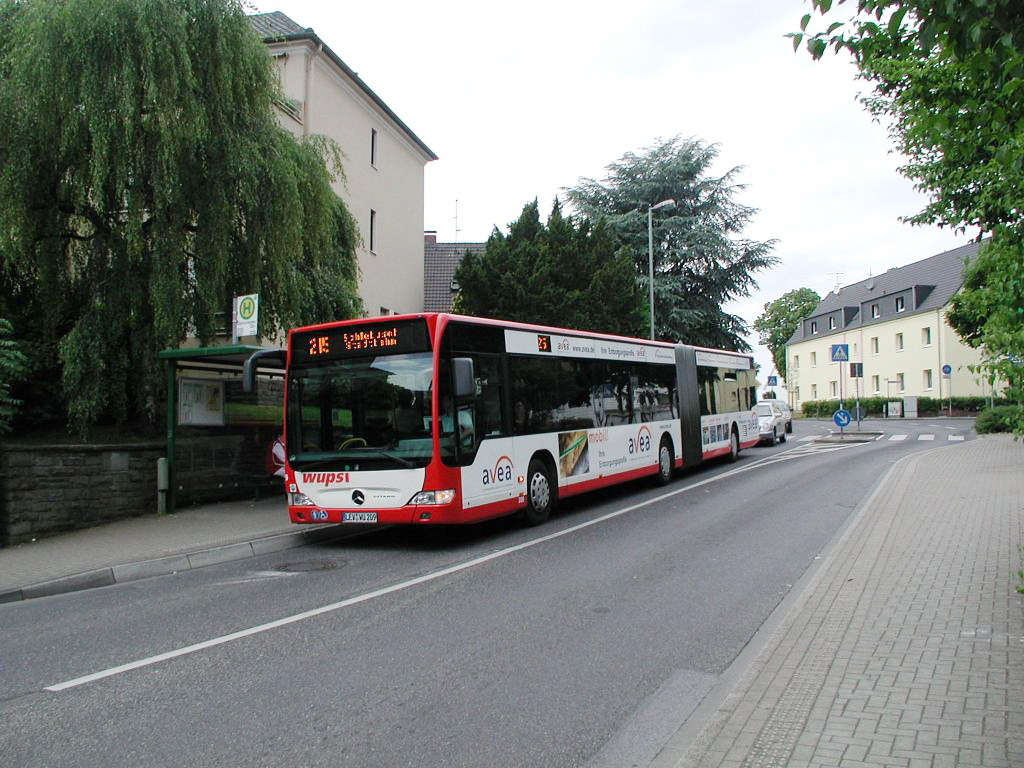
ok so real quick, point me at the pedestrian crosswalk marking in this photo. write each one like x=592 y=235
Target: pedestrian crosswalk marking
x=926 y=437
x=897 y=437
x=956 y=437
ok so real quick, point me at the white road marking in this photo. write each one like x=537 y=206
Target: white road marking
x=808 y=438
x=403 y=585
x=926 y=437
x=955 y=437
x=898 y=437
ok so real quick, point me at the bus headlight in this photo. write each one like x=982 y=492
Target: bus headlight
x=301 y=500
x=434 y=497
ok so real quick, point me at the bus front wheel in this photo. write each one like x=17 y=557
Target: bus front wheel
x=539 y=494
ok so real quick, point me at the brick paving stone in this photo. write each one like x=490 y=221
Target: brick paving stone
x=907 y=647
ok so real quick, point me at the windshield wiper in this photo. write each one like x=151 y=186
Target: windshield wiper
x=388 y=455
x=309 y=463
x=299 y=463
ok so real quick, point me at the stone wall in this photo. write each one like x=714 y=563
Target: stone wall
x=48 y=489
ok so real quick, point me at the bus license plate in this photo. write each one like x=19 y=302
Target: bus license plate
x=359 y=517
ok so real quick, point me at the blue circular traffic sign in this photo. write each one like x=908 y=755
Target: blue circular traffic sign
x=947 y=369
x=841 y=418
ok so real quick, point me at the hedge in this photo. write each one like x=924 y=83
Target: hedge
x=926 y=406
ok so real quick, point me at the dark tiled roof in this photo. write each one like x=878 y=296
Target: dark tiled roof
x=273 y=25
x=439 y=263
x=276 y=28
x=923 y=286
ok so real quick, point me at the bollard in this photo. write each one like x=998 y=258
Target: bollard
x=161 y=485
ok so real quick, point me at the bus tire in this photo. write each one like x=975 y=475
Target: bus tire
x=666 y=462
x=540 y=494
x=734 y=444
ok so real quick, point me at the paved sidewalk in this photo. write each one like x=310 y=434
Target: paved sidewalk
x=907 y=646
x=150 y=546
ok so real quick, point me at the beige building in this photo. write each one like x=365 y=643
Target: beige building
x=384 y=160
x=895 y=325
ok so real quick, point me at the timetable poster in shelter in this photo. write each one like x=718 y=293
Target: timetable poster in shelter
x=573 y=453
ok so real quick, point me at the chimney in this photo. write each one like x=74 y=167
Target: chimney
x=430 y=237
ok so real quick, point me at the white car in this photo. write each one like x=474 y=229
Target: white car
x=771 y=423
x=787 y=412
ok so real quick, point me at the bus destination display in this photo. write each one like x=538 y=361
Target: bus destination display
x=351 y=341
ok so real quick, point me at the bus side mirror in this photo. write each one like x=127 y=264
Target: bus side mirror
x=268 y=358
x=465 y=382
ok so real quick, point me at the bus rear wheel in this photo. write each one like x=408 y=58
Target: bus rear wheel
x=734 y=445
x=665 y=462
x=539 y=494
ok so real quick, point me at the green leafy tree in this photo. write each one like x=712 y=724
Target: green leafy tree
x=780 y=320
x=12 y=368
x=701 y=260
x=565 y=272
x=948 y=75
x=144 y=179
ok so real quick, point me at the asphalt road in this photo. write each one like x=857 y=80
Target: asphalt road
x=587 y=640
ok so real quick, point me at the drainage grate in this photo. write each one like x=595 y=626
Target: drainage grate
x=305 y=566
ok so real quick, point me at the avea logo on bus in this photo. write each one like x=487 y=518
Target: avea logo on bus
x=642 y=442
x=502 y=472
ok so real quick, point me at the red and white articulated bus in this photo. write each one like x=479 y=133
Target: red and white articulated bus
x=439 y=418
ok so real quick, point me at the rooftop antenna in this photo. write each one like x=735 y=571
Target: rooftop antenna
x=457 y=230
x=838 y=275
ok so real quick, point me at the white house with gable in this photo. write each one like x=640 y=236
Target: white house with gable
x=384 y=160
x=895 y=325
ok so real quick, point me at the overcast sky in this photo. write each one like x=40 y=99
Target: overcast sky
x=522 y=100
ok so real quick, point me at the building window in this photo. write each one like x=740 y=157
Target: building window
x=814 y=391
x=814 y=326
x=373 y=231
x=899 y=304
x=927 y=380
x=831 y=323
x=874 y=345
x=875 y=311
x=796 y=362
x=384 y=311
x=373 y=147
x=876 y=384
x=814 y=359
x=899 y=342
x=926 y=337
x=900 y=382
x=796 y=394
x=833 y=389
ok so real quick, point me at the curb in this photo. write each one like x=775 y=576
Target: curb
x=187 y=561
x=849 y=437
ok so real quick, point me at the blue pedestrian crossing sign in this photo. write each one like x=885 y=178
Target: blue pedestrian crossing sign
x=773 y=381
x=840 y=353
x=841 y=418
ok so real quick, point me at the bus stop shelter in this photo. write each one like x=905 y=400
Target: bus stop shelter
x=197 y=382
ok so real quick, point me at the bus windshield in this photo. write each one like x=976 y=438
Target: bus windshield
x=361 y=413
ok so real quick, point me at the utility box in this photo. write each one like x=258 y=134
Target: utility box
x=894 y=409
x=910 y=407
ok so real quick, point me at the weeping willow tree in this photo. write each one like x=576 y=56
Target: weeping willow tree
x=144 y=180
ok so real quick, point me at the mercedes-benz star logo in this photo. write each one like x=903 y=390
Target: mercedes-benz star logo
x=358 y=497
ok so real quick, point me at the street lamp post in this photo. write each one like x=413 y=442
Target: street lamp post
x=650 y=253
